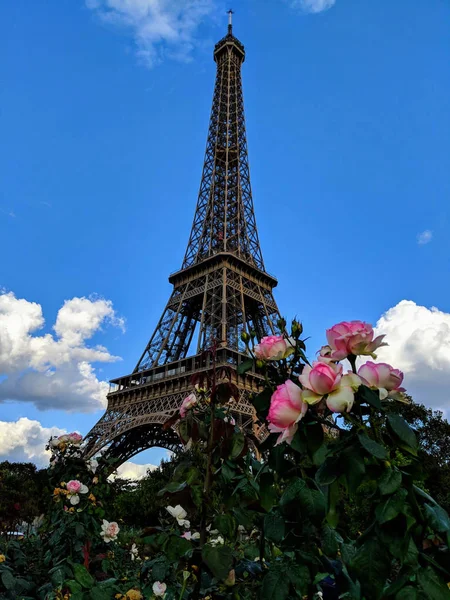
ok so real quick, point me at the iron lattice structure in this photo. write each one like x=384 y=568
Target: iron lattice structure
x=221 y=290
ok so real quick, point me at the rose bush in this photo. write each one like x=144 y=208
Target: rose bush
x=261 y=513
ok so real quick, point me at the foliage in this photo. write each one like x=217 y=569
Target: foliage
x=336 y=502
x=22 y=495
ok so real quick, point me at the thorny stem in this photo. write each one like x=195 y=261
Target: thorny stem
x=208 y=474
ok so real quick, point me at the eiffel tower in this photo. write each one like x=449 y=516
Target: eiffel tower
x=221 y=290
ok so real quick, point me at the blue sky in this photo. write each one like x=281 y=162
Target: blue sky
x=104 y=114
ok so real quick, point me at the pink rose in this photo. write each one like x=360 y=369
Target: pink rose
x=74 y=438
x=381 y=376
x=273 y=347
x=74 y=486
x=188 y=403
x=286 y=410
x=159 y=589
x=322 y=378
x=353 y=337
x=109 y=531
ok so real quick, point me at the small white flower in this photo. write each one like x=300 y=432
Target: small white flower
x=159 y=589
x=195 y=536
x=179 y=514
x=217 y=541
x=134 y=552
x=92 y=465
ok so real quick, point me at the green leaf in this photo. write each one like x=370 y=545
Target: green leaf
x=101 y=593
x=226 y=525
x=372 y=397
x=274 y=527
x=172 y=488
x=176 y=548
x=403 y=431
x=227 y=473
x=412 y=554
x=237 y=444
x=332 y=504
x=300 y=577
x=243 y=518
x=73 y=586
x=184 y=430
x=330 y=541
x=372 y=447
x=437 y=518
x=389 y=482
x=311 y=502
x=391 y=507
x=261 y=401
x=275 y=585
x=83 y=576
x=8 y=580
x=218 y=559
x=245 y=366
x=57 y=576
x=328 y=471
x=432 y=585
x=348 y=551
x=79 y=530
x=423 y=494
x=292 y=491
x=407 y=593
x=267 y=492
x=371 y=565
x=159 y=568
x=314 y=437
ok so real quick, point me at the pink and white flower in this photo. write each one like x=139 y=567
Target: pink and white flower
x=274 y=347
x=287 y=408
x=320 y=379
x=110 y=531
x=71 y=438
x=353 y=337
x=179 y=514
x=159 y=589
x=74 y=488
x=74 y=438
x=187 y=535
x=381 y=376
x=188 y=403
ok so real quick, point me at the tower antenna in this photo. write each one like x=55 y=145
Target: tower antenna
x=230 y=21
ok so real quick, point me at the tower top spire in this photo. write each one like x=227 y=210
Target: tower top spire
x=230 y=21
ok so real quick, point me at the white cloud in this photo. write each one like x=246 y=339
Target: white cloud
x=419 y=345
x=54 y=371
x=312 y=6
x=24 y=440
x=131 y=470
x=424 y=237
x=160 y=28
